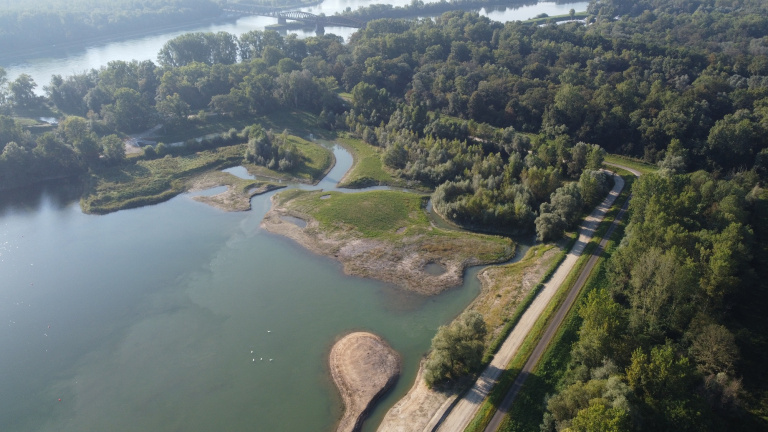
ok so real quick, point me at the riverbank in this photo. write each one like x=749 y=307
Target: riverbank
x=363 y=367
x=504 y=289
x=239 y=191
x=384 y=235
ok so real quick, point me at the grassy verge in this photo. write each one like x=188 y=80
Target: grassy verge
x=640 y=165
x=528 y=410
x=368 y=169
x=494 y=345
x=561 y=342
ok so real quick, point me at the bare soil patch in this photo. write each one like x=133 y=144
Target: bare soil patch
x=239 y=192
x=402 y=262
x=363 y=367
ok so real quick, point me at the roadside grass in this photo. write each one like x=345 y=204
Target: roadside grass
x=557 y=355
x=368 y=168
x=395 y=217
x=509 y=291
x=528 y=410
x=520 y=308
x=642 y=166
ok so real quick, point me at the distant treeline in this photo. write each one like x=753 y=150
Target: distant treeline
x=420 y=9
x=45 y=22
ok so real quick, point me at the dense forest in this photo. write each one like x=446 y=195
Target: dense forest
x=507 y=124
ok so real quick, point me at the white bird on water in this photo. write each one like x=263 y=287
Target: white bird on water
x=269 y=331
x=261 y=358
x=270 y=359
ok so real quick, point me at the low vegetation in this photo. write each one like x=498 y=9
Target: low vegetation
x=385 y=235
x=368 y=169
x=168 y=171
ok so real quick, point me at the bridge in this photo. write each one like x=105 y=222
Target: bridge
x=320 y=21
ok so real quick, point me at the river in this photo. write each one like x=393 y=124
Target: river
x=41 y=64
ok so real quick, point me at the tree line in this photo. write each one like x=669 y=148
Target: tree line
x=675 y=338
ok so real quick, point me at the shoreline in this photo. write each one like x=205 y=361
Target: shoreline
x=404 y=264
x=363 y=367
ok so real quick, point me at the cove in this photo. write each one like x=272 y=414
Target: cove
x=166 y=317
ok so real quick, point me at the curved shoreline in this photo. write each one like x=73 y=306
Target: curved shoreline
x=403 y=263
x=363 y=367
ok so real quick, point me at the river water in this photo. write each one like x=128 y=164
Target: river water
x=65 y=60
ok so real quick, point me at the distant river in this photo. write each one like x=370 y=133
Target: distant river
x=41 y=64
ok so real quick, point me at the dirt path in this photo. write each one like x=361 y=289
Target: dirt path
x=457 y=418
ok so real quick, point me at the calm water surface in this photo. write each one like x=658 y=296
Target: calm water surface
x=65 y=60
x=179 y=316
x=145 y=319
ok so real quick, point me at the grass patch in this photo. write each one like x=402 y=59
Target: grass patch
x=564 y=17
x=373 y=214
x=150 y=182
x=368 y=169
x=394 y=217
x=315 y=163
x=638 y=164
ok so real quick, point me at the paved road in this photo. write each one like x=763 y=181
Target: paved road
x=546 y=339
x=456 y=417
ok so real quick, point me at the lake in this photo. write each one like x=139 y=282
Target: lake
x=179 y=316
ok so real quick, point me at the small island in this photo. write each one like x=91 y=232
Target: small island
x=363 y=367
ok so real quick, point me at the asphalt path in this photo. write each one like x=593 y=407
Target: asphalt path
x=457 y=415
x=546 y=339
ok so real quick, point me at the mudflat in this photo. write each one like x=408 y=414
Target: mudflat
x=397 y=246
x=363 y=367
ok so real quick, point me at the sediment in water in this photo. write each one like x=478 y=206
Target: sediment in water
x=363 y=367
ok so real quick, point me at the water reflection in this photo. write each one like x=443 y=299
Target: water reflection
x=54 y=194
